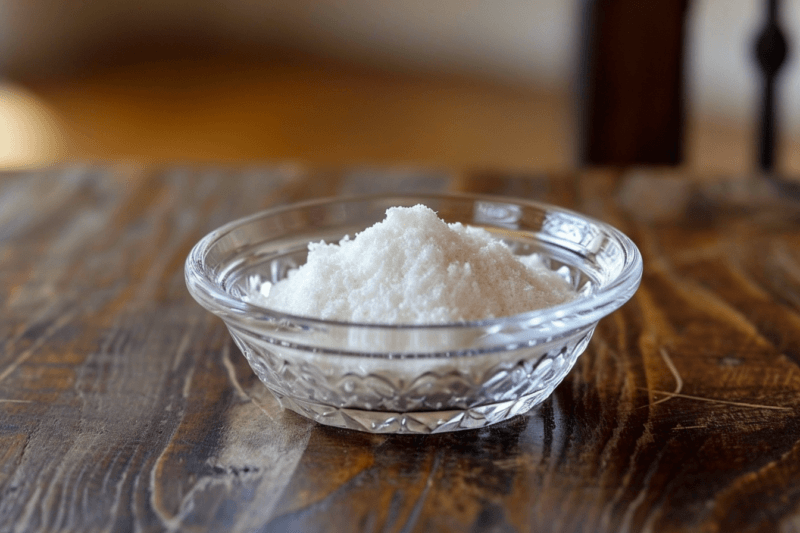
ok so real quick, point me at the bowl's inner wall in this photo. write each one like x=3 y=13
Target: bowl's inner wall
x=273 y=244
x=588 y=255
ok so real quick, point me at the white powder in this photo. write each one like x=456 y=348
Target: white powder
x=413 y=268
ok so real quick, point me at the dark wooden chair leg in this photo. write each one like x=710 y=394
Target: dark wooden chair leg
x=631 y=86
x=771 y=51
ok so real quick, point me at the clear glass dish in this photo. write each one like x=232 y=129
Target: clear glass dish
x=385 y=378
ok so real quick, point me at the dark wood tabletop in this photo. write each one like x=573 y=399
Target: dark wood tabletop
x=125 y=406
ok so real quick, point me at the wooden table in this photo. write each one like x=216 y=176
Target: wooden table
x=125 y=406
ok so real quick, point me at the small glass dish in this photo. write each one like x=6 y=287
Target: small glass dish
x=384 y=378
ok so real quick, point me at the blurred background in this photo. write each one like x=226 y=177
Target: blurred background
x=457 y=84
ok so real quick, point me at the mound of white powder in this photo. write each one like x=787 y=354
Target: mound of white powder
x=413 y=268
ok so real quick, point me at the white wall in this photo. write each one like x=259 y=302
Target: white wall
x=722 y=72
x=525 y=41
x=515 y=39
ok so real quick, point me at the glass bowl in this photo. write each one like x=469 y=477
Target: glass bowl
x=384 y=378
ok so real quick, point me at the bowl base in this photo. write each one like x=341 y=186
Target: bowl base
x=420 y=422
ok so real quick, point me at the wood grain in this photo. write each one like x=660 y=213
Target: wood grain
x=124 y=406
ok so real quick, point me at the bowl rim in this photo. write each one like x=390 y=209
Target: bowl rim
x=216 y=299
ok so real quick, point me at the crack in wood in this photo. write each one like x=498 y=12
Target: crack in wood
x=416 y=510
x=226 y=362
x=679 y=386
x=60 y=322
x=723 y=402
x=678 y=380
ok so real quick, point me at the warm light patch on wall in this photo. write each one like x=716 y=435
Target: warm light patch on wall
x=30 y=136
